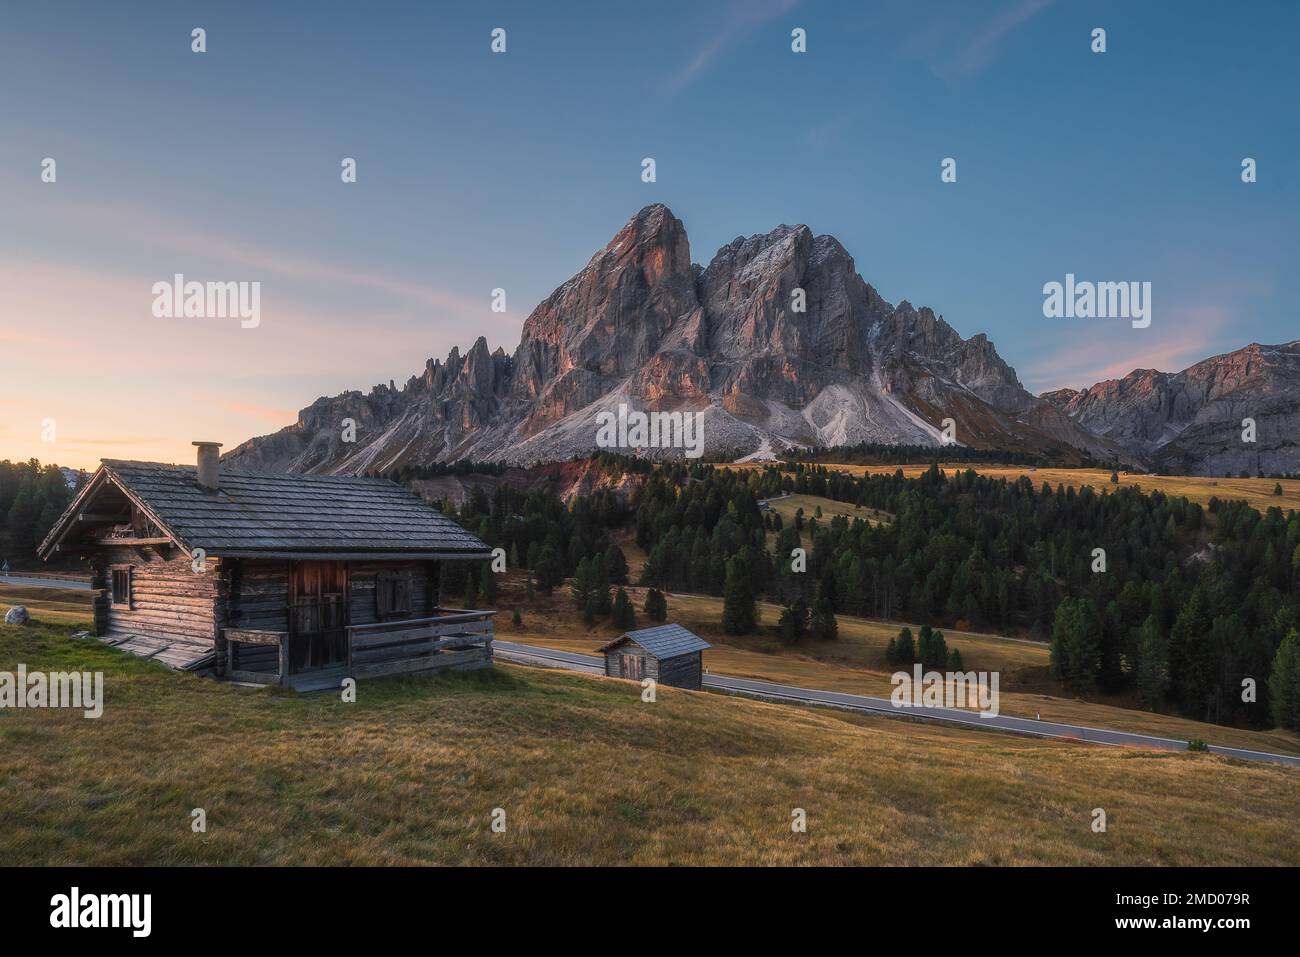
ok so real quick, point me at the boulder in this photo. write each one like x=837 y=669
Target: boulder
x=17 y=615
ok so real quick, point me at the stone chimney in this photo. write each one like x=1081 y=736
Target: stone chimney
x=209 y=465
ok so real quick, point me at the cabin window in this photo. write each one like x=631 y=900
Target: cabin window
x=121 y=586
x=392 y=595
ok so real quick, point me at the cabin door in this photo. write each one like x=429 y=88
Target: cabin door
x=318 y=615
x=633 y=667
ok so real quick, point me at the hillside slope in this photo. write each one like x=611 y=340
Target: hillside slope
x=587 y=774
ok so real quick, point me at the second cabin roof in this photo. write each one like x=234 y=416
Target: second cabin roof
x=662 y=641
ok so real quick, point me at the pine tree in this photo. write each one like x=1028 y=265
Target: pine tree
x=933 y=649
x=1076 y=646
x=600 y=585
x=785 y=625
x=823 y=626
x=800 y=616
x=487 y=585
x=549 y=570
x=906 y=647
x=739 y=610
x=616 y=564
x=1189 y=654
x=1284 y=683
x=580 y=585
x=591 y=610
x=1152 y=665
x=656 y=606
x=624 y=616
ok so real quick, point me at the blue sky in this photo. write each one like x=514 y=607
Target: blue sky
x=479 y=171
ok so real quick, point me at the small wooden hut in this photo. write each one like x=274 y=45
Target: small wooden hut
x=271 y=577
x=669 y=654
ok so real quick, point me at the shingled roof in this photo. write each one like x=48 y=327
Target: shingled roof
x=662 y=641
x=277 y=515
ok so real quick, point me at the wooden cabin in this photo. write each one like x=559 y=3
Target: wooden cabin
x=669 y=654
x=269 y=577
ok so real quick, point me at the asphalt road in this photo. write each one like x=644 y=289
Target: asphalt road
x=549 y=657
x=44 y=582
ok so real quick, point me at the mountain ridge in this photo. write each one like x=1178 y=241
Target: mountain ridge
x=644 y=326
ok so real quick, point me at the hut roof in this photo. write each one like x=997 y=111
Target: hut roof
x=273 y=514
x=662 y=641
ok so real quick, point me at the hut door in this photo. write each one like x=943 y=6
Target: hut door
x=317 y=615
x=633 y=667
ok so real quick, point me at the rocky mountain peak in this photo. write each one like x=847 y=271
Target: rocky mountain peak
x=777 y=341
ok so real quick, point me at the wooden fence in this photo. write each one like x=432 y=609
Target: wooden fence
x=454 y=638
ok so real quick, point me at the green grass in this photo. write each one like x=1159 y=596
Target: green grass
x=587 y=774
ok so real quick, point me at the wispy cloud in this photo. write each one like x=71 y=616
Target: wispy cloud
x=738 y=21
x=826 y=134
x=143 y=227
x=957 y=45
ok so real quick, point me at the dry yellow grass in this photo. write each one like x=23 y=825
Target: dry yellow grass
x=68 y=605
x=786 y=508
x=1257 y=492
x=855 y=664
x=587 y=774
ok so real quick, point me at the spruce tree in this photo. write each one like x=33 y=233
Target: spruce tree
x=616 y=565
x=906 y=647
x=823 y=626
x=1152 y=665
x=1189 y=654
x=1284 y=683
x=549 y=570
x=786 y=628
x=1076 y=644
x=739 y=610
x=656 y=606
x=580 y=586
x=624 y=616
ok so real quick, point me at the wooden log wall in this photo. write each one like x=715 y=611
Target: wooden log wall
x=259 y=595
x=684 y=671
x=363 y=609
x=614 y=662
x=169 y=599
x=98 y=583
